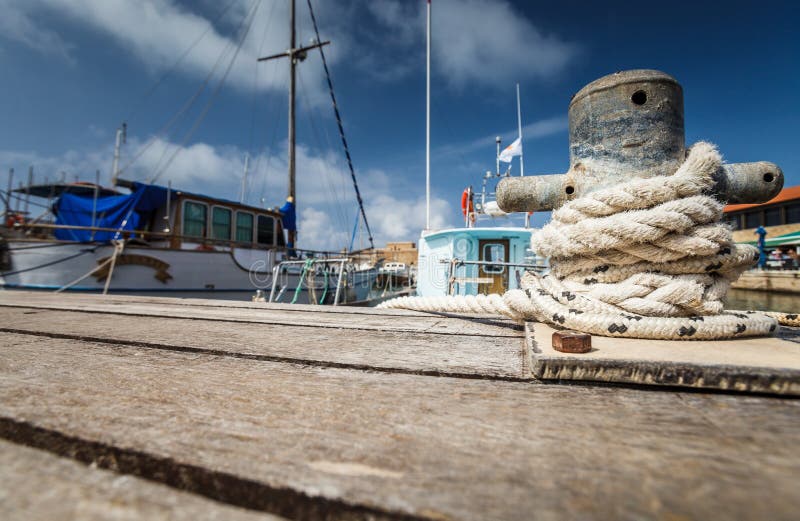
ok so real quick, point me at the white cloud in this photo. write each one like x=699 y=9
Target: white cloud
x=326 y=199
x=531 y=131
x=17 y=25
x=160 y=32
x=488 y=43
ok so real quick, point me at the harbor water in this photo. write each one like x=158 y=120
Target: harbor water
x=746 y=299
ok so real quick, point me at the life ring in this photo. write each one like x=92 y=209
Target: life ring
x=14 y=219
x=466 y=203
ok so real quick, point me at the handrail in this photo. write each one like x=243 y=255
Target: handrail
x=166 y=235
x=455 y=262
x=460 y=262
x=309 y=262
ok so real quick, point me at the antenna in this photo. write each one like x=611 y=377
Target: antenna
x=122 y=133
x=497 y=170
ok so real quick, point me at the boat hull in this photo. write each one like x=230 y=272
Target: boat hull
x=140 y=270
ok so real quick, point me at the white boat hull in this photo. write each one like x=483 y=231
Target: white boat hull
x=235 y=274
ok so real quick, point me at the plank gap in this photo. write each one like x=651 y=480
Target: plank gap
x=270 y=358
x=213 y=484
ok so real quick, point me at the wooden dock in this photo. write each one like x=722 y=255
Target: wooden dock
x=144 y=408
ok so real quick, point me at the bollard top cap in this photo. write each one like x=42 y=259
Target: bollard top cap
x=621 y=78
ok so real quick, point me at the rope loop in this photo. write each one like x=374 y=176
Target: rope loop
x=649 y=258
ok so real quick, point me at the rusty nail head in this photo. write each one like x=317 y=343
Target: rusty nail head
x=572 y=341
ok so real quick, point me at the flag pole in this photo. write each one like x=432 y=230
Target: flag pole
x=428 y=124
x=519 y=126
x=521 y=153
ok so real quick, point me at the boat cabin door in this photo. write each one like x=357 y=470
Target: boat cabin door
x=493 y=278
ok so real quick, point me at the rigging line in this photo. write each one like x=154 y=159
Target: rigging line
x=171 y=146
x=341 y=127
x=186 y=106
x=337 y=188
x=271 y=145
x=256 y=70
x=164 y=130
x=177 y=62
x=328 y=178
x=214 y=94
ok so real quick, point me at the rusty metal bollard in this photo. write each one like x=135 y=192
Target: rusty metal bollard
x=624 y=125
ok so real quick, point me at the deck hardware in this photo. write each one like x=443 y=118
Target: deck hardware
x=624 y=125
x=567 y=341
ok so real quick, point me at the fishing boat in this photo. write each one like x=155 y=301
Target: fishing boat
x=144 y=238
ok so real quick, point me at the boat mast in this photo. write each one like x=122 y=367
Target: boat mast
x=428 y=124
x=295 y=55
x=292 y=88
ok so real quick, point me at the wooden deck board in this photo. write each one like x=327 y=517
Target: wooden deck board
x=433 y=447
x=279 y=314
x=761 y=364
x=383 y=350
x=39 y=486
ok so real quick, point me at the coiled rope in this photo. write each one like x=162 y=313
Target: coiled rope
x=649 y=258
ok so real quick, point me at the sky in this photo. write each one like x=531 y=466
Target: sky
x=184 y=77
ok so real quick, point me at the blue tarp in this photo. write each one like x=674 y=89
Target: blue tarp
x=120 y=212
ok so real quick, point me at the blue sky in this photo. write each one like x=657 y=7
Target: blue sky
x=73 y=70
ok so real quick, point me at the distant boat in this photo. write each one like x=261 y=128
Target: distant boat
x=152 y=239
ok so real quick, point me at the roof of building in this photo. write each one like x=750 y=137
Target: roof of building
x=787 y=194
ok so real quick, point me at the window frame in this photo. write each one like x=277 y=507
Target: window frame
x=211 y=221
x=274 y=230
x=204 y=235
x=236 y=226
x=489 y=264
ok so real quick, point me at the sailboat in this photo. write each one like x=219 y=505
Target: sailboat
x=142 y=238
x=472 y=259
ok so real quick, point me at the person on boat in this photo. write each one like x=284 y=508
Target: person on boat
x=289 y=221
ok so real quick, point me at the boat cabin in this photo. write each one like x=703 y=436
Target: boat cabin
x=156 y=215
x=469 y=261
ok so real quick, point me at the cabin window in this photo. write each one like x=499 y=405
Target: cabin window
x=793 y=214
x=244 y=227
x=220 y=223
x=491 y=253
x=266 y=230
x=772 y=217
x=195 y=218
x=752 y=219
x=735 y=221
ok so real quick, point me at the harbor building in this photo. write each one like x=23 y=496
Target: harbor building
x=779 y=216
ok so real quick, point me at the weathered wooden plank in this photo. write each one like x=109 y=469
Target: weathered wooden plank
x=266 y=314
x=762 y=365
x=49 y=296
x=387 y=350
x=36 y=485
x=433 y=447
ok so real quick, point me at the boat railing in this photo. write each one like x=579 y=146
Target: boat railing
x=307 y=263
x=454 y=264
x=149 y=235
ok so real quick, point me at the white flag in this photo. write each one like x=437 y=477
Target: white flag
x=514 y=149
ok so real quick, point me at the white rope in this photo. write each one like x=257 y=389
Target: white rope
x=645 y=259
x=118 y=246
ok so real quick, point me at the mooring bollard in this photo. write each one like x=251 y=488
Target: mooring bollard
x=625 y=125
